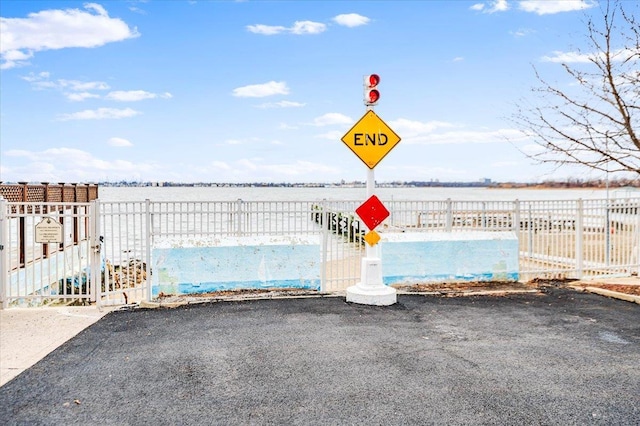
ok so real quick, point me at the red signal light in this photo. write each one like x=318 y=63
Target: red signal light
x=373 y=80
x=371 y=94
x=374 y=95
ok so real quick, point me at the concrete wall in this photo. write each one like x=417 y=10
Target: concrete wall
x=449 y=257
x=201 y=266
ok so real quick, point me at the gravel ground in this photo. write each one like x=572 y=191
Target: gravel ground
x=560 y=357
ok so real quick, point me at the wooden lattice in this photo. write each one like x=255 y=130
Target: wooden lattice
x=54 y=193
x=35 y=193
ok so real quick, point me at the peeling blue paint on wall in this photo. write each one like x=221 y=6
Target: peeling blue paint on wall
x=449 y=257
x=237 y=264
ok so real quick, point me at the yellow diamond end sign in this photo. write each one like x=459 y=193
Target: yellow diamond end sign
x=371 y=139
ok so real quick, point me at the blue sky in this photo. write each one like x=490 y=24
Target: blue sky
x=246 y=91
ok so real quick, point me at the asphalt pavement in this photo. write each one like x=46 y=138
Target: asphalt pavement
x=557 y=358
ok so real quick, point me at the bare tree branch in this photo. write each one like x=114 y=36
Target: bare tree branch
x=596 y=126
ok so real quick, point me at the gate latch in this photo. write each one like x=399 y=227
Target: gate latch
x=96 y=248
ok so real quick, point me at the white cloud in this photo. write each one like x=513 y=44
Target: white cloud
x=42 y=81
x=285 y=126
x=458 y=59
x=14 y=58
x=281 y=104
x=247 y=164
x=332 y=118
x=532 y=149
x=501 y=164
x=310 y=27
x=119 y=142
x=70 y=164
x=220 y=165
x=298 y=28
x=568 y=57
x=266 y=29
x=413 y=127
x=134 y=95
x=307 y=27
x=82 y=85
x=99 y=114
x=58 y=29
x=233 y=142
x=464 y=137
x=576 y=57
x=499 y=6
x=32 y=77
x=76 y=90
x=351 y=20
x=521 y=32
x=295 y=169
x=539 y=7
x=262 y=90
x=547 y=7
x=80 y=96
x=441 y=132
x=491 y=6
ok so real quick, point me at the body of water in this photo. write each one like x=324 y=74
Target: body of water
x=341 y=193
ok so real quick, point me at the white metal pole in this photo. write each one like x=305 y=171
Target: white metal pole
x=371 y=184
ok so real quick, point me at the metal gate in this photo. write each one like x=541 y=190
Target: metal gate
x=125 y=252
x=62 y=268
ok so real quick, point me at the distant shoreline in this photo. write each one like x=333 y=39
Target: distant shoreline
x=358 y=184
x=486 y=183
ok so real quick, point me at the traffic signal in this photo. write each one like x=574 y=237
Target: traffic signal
x=371 y=93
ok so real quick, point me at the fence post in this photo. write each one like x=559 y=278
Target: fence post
x=484 y=216
x=324 y=220
x=76 y=230
x=148 y=239
x=516 y=229
x=96 y=256
x=4 y=270
x=579 y=238
x=239 y=217
x=22 y=230
x=45 y=212
x=449 y=219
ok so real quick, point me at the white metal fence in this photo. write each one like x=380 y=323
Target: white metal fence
x=106 y=252
x=67 y=269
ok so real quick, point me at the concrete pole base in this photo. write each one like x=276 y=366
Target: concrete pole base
x=370 y=290
x=382 y=296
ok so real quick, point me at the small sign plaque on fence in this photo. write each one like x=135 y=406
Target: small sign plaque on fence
x=48 y=230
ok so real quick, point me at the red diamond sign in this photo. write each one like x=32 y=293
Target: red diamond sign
x=372 y=212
